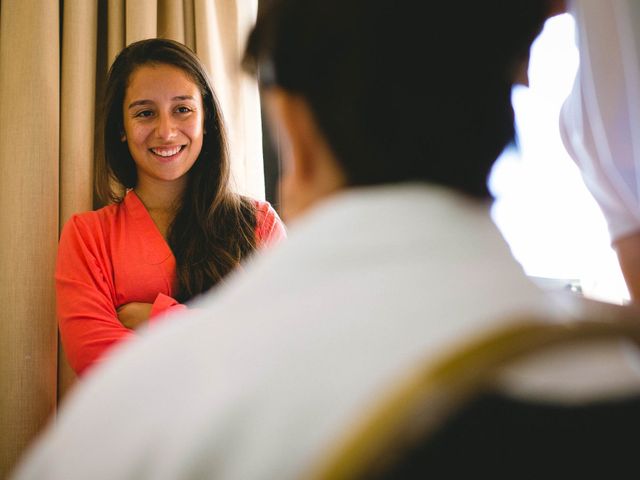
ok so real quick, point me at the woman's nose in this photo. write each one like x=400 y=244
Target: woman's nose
x=165 y=128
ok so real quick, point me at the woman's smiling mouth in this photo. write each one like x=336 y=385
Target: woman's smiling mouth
x=166 y=153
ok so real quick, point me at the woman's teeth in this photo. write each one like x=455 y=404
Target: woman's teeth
x=166 y=152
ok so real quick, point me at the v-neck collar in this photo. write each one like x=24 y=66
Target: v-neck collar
x=158 y=249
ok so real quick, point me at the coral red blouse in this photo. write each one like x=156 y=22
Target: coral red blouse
x=114 y=256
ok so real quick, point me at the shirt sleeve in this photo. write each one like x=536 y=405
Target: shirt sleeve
x=163 y=305
x=269 y=228
x=87 y=317
x=600 y=119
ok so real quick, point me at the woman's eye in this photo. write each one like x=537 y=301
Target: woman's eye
x=144 y=114
x=183 y=110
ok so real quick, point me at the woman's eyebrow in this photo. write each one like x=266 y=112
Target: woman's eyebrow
x=184 y=97
x=148 y=102
x=139 y=102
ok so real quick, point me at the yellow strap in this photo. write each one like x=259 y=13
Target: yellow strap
x=421 y=403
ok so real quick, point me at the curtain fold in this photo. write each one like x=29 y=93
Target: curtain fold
x=171 y=20
x=77 y=113
x=189 y=24
x=29 y=148
x=115 y=28
x=54 y=55
x=141 y=20
x=221 y=29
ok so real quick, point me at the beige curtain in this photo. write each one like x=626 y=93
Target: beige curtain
x=29 y=169
x=54 y=56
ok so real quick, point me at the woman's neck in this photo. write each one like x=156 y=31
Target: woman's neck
x=158 y=196
x=162 y=200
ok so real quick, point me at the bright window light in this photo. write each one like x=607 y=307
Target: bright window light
x=552 y=224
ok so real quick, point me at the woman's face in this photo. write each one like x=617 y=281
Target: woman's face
x=163 y=123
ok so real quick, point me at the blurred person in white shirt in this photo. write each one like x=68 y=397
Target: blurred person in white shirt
x=600 y=120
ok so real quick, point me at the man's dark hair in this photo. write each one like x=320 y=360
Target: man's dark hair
x=402 y=90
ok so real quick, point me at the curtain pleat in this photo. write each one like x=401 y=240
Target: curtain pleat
x=29 y=146
x=141 y=20
x=171 y=20
x=51 y=85
x=77 y=113
x=115 y=28
x=189 y=24
x=221 y=29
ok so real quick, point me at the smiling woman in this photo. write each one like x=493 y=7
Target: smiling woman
x=163 y=127
x=178 y=229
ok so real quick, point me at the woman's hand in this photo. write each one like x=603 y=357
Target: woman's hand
x=135 y=314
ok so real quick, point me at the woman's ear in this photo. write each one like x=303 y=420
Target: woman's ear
x=123 y=136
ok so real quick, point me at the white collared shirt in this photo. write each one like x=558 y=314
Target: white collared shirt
x=600 y=119
x=273 y=366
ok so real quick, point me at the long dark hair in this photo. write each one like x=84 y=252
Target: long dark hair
x=402 y=91
x=214 y=228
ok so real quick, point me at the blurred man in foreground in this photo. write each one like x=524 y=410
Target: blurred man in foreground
x=392 y=115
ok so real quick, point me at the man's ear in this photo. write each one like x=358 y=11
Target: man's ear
x=310 y=170
x=298 y=132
